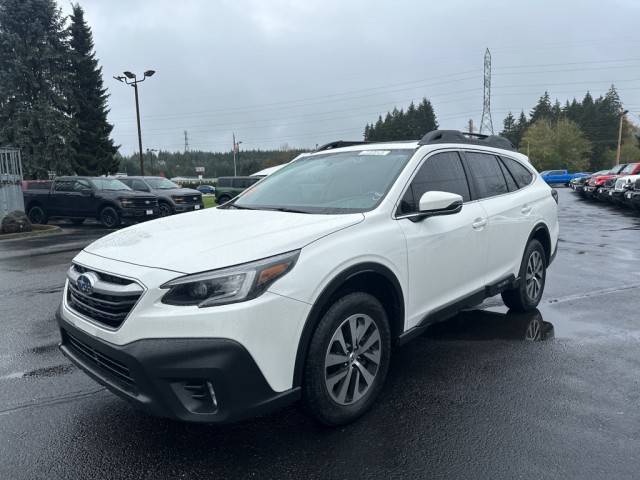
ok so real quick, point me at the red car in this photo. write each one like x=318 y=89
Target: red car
x=596 y=181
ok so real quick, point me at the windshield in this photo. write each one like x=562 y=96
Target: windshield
x=108 y=184
x=629 y=168
x=344 y=182
x=161 y=183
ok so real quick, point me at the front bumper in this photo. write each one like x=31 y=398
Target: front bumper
x=181 y=208
x=172 y=377
x=131 y=212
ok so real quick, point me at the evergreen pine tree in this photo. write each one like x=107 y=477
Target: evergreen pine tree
x=542 y=110
x=94 y=150
x=34 y=68
x=509 y=129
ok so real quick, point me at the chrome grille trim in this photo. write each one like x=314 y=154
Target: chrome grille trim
x=109 y=304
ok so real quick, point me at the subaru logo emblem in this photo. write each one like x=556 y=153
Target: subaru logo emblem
x=85 y=284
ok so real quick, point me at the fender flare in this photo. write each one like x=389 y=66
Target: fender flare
x=314 y=316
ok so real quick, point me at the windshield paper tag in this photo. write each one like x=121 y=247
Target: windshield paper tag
x=375 y=152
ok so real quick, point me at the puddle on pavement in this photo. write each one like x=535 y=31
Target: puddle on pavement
x=498 y=323
x=54 y=371
x=493 y=324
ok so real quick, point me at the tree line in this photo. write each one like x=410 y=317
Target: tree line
x=183 y=164
x=53 y=105
x=579 y=135
x=401 y=125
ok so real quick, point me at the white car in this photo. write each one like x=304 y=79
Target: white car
x=301 y=286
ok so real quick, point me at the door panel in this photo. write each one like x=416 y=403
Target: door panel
x=446 y=259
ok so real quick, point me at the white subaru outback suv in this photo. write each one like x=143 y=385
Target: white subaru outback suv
x=300 y=287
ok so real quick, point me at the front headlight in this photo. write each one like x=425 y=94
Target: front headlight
x=126 y=202
x=229 y=285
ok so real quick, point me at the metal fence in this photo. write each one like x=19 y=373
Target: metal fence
x=10 y=181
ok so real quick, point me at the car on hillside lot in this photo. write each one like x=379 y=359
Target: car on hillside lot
x=172 y=198
x=106 y=199
x=206 y=189
x=621 y=186
x=563 y=177
x=596 y=182
x=228 y=187
x=578 y=183
x=607 y=190
x=322 y=270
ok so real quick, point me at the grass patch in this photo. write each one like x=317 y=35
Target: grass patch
x=209 y=201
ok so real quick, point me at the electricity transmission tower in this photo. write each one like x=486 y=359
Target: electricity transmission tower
x=486 y=124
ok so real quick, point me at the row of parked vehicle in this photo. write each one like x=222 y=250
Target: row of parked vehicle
x=110 y=200
x=619 y=185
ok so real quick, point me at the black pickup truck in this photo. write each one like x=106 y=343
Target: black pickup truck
x=106 y=199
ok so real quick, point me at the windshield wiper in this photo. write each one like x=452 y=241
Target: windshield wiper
x=239 y=207
x=285 y=209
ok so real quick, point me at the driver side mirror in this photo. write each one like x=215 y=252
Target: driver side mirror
x=439 y=203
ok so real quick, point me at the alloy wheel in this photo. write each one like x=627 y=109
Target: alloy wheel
x=352 y=359
x=36 y=215
x=534 y=276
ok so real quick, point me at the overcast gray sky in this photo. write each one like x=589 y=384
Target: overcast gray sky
x=311 y=71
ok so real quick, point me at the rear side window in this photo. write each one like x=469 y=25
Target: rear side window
x=520 y=173
x=511 y=183
x=64 y=185
x=441 y=172
x=139 y=185
x=224 y=182
x=487 y=174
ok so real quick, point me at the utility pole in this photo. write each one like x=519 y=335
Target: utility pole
x=131 y=79
x=471 y=125
x=486 y=124
x=622 y=114
x=186 y=141
x=150 y=153
x=236 y=154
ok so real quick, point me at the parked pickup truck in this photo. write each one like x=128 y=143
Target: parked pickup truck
x=171 y=197
x=561 y=176
x=106 y=199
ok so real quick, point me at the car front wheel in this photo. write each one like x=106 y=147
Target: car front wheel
x=37 y=215
x=165 y=209
x=348 y=359
x=533 y=273
x=109 y=217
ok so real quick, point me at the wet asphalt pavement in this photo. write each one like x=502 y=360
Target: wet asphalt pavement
x=473 y=398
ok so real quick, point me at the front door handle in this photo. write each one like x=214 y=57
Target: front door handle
x=479 y=223
x=526 y=210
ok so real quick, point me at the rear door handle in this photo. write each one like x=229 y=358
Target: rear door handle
x=526 y=210
x=479 y=223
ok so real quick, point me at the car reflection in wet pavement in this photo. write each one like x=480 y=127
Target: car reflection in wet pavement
x=493 y=325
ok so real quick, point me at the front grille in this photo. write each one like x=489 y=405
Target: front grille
x=110 y=301
x=108 y=365
x=144 y=202
x=637 y=185
x=609 y=183
x=188 y=199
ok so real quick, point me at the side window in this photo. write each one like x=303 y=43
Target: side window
x=235 y=183
x=487 y=175
x=64 y=185
x=511 y=183
x=80 y=185
x=139 y=185
x=127 y=181
x=441 y=172
x=253 y=180
x=224 y=182
x=521 y=174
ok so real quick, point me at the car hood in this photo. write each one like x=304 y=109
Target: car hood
x=177 y=191
x=216 y=238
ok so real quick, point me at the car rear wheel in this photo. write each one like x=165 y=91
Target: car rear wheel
x=223 y=199
x=38 y=215
x=533 y=273
x=348 y=359
x=109 y=217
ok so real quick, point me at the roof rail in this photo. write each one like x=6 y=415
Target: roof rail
x=456 y=136
x=341 y=143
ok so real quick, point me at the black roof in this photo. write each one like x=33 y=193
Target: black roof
x=456 y=136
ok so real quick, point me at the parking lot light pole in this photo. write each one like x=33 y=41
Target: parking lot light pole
x=622 y=114
x=131 y=79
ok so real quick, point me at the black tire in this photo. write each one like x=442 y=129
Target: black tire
x=109 y=217
x=77 y=221
x=526 y=296
x=223 y=199
x=38 y=215
x=318 y=397
x=165 y=209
